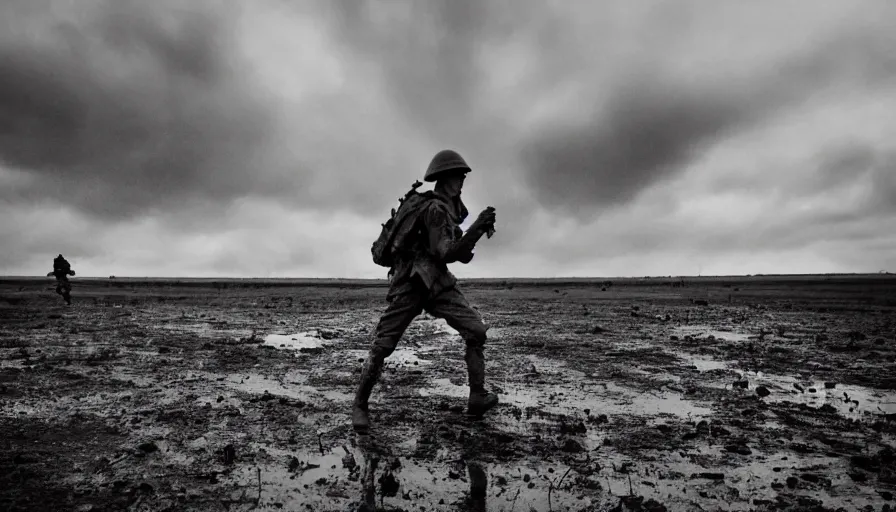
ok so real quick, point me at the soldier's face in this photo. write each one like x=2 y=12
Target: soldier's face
x=454 y=183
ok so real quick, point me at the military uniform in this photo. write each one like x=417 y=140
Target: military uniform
x=421 y=281
x=61 y=270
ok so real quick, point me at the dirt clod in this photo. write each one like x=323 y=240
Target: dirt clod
x=858 y=476
x=708 y=476
x=148 y=447
x=739 y=449
x=228 y=454
x=572 y=446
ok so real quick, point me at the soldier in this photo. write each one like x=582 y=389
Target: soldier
x=61 y=270
x=421 y=281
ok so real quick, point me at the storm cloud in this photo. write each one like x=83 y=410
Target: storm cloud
x=651 y=127
x=117 y=107
x=272 y=137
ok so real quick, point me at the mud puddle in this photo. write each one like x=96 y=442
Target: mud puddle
x=292 y=385
x=301 y=341
x=572 y=400
x=19 y=364
x=703 y=364
x=850 y=401
x=705 y=475
x=206 y=330
x=345 y=475
x=405 y=357
x=710 y=333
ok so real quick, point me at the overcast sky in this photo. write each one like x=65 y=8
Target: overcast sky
x=271 y=138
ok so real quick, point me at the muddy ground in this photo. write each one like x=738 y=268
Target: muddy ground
x=753 y=394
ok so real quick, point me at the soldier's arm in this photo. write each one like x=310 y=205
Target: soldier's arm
x=443 y=243
x=467 y=256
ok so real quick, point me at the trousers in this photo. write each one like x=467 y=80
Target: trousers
x=448 y=304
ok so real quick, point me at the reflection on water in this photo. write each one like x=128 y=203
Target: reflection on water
x=854 y=402
x=370 y=475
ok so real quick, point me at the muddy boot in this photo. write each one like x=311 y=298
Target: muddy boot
x=369 y=375
x=480 y=400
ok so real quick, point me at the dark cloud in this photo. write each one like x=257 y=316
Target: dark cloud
x=119 y=107
x=634 y=119
x=648 y=131
x=162 y=114
x=652 y=127
x=426 y=54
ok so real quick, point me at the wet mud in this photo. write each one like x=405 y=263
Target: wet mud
x=636 y=396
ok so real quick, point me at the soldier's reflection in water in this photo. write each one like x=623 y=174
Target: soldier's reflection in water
x=378 y=480
x=478 y=486
x=371 y=461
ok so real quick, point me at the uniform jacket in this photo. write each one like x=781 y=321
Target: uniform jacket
x=431 y=248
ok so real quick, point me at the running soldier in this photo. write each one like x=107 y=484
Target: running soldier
x=420 y=281
x=61 y=270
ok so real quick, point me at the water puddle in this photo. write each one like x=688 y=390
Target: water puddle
x=13 y=409
x=294 y=388
x=302 y=341
x=345 y=476
x=571 y=400
x=702 y=364
x=690 y=477
x=206 y=330
x=404 y=357
x=431 y=326
x=853 y=402
x=15 y=363
x=564 y=391
x=124 y=375
x=707 y=332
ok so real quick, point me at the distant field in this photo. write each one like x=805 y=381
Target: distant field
x=884 y=279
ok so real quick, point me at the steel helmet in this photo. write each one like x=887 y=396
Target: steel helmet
x=444 y=161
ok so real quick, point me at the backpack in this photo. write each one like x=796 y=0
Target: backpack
x=395 y=231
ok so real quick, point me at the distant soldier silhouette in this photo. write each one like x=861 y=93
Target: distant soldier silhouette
x=61 y=270
x=417 y=244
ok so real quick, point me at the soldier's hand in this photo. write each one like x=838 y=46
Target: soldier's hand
x=485 y=220
x=71 y=272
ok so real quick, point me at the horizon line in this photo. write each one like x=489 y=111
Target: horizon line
x=658 y=276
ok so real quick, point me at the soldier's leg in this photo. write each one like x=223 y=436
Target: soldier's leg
x=457 y=312
x=67 y=291
x=398 y=315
